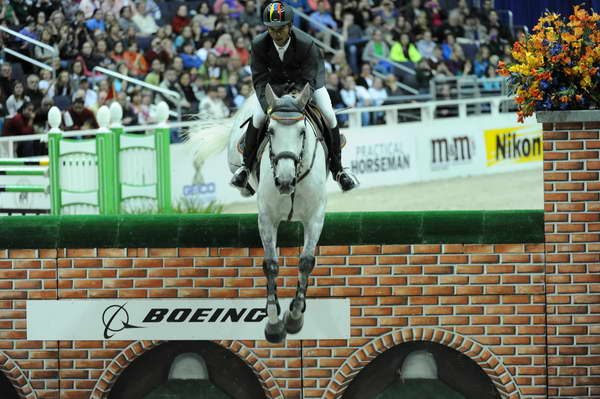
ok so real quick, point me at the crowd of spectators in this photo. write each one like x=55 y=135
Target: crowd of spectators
x=202 y=53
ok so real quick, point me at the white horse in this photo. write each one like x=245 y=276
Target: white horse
x=290 y=186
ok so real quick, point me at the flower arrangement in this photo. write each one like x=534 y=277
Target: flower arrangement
x=558 y=66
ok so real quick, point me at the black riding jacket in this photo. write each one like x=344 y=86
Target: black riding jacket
x=302 y=63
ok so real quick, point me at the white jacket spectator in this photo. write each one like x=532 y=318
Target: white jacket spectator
x=212 y=106
x=353 y=95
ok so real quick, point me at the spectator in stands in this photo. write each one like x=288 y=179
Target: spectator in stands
x=17 y=99
x=22 y=9
x=300 y=4
x=113 y=7
x=212 y=105
x=3 y=110
x=495 y=43
x=250 y=14
x=424 y=74
x=143 y=20
x=414 y=10
x=62 y=86
x=366 y=76
x=313 y=5
x=89 y=6
x=90 y=97
x=40 y=21
x=481 y=61
x=241 y=49
x=66 y=45
x=129 y=115
x=234 y=8
x=155 y=75
x=322 y=16
x=404 y=50
x=126 y=19
x=33 y=91
x=40 y=120
x=378 y=95
x=21 y=123
x=185 y=87
x=206 y=19
x=456 y=63
x=493 y=21
x=7 y=14
x=355 y=96
x=474 y=30
x=242 y=96
x=135 y=61
x=426 y=45
x=156 y=51
x=185 y=35
x=387 y=11
x=169 y=83
x=225 y=45
x=96 y=22
x=435 y=15
x=354 y=37
x=45 y=80
x=333 y=88
x=189 y=58
x=448 y=46
x=77 y=117
x=464 y=9
x=117 y=53
x=42 y=54
x=180 y=19
x=210 y=70
x=392 y=87
x=6 y=78
x=137 y=107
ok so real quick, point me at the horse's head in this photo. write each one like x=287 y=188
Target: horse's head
x=286 y=135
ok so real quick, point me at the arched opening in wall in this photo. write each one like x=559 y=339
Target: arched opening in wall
x=421 y=369
x=188 y=369
x=7 y=390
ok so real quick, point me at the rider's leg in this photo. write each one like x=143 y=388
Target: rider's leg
x=240 y=177
x=344 y=177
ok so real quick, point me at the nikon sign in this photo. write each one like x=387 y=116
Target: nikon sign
x=176 y=319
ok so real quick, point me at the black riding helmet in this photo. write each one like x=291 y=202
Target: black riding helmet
x=277 y=14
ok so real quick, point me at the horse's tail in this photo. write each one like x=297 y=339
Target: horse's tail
x=208 y=138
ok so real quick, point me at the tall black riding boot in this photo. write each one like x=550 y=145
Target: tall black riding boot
x=240 y=177
x=344 y=177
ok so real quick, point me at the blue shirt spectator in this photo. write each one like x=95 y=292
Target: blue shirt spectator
x=323 y=17
x=96 y=22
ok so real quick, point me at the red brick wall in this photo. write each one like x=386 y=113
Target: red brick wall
x=486 y=301
x=571 y=194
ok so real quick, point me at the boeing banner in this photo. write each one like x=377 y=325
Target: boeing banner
x=177 y=319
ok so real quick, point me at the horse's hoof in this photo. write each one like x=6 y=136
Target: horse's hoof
x=275 y=333
x=293 y=326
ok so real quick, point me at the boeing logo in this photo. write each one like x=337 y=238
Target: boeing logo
x=115 y=318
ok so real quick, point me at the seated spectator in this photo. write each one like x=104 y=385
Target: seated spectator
x=355 y=96
x=21 y=123
x=424 y=74
x=90 y=97
x=17 y=99
x=474 y=30
x=464 y=9
x=392 y=87
x=181 y=19
x=249 y=15
x=120 y=85
x=7 y=14
x=210 y=70
x=89 y=7
x=414 y=10
x=366 y=77
x=404 y=50
x=67 y=44
x=378 y=95
x=135 y=61
x=322 y=16
x=355 y=38
x=453 y=26
x=190 y=59
x=177 y=65
x=137 y=107
x=448 y=46
x=436 y=58
x=212 y=105
x=118 y=50
x=303 y=6
x=241 y=48
x=313 y=5
x=6 y=78
x=96 y=22
x=494 y=22
x=62 y=86
x=169 y=82
x=435 y=14
x=143 y=20
x=185 y=87
x=426 y=45
x=242 y=96
x=113 y=7
x=333 y=88
x=156 y=71
x=33 y=90
x=102 y=52
x=206 y=19
x=482 y=61
x=225 y=46
x=375 y=50
x=457 y=60
x=129 y=114
x=387 y=11
x=186 y=35
x=45 y=80
x=40 y=120
x=126 y=19
x=77 y=117
x=156 y=51
x=234 y=7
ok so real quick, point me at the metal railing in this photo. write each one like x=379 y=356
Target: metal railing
x=54 y=51
x=325 y=28
x=149 y=86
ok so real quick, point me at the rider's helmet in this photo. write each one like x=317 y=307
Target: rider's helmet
x=277 y=14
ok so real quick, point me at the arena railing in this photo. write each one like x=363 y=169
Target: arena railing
x=176 y=96
x=55 y=53
x=326 y=28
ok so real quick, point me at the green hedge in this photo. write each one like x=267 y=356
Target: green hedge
x=185 y=230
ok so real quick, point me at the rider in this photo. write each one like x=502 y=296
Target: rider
x=287 y=58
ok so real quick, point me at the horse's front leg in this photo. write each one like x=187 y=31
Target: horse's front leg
x=294 y=318
x=275 y=329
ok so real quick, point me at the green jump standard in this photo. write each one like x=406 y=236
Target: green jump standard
x=239 y=231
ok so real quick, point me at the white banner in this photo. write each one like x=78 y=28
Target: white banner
x=177 y=319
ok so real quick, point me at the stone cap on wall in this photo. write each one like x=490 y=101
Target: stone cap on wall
x=241 y=231
x=588 y=115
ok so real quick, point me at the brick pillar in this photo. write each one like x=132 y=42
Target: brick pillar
x=572 y=226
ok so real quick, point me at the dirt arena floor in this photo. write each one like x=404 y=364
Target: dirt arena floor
x=515 y=190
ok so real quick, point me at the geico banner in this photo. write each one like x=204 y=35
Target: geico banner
x=189 y=319
x=380 y=156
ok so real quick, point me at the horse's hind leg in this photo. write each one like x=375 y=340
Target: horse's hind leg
x=294 y=318
x=275 y=329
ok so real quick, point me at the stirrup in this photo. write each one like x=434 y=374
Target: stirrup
x=346 y=179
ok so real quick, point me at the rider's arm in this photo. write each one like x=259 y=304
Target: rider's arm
x=313 y=69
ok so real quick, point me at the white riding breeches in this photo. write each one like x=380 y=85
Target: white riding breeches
x=321 y=97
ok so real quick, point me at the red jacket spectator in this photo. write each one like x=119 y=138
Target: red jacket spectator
x=21 y=123
x=81 y=117
x=181 y=19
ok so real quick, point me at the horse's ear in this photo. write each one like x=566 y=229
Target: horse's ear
x=270 y=96
x=304 y=97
